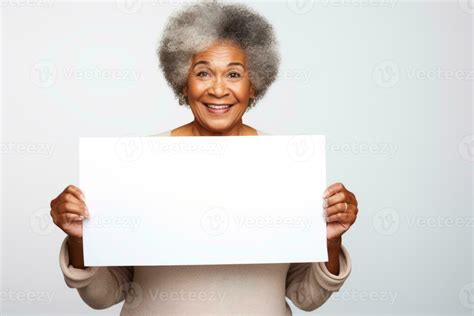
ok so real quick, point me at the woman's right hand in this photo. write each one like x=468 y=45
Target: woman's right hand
x=68 y=210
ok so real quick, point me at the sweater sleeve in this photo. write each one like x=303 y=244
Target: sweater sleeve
x=99 y=287
x=309 y=285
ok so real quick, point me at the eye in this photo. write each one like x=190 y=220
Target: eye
x=234 y=74
x=202 y=74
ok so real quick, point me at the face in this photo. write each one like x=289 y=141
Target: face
x=218 y=87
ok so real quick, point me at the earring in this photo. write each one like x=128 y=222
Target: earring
x=252 y=102
x=182 y=99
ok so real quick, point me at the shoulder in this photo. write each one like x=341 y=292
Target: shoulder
x=182 y=130
x=262 y=133
x=165 y=133
x=168 y=133
x=249 y=130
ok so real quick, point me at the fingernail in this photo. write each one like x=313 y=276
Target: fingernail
x=81 y=217
x=325 y=194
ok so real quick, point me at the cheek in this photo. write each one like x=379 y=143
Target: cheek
x=196 y=88
x=241 y=91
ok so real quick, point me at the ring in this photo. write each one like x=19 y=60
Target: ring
x=347 y=206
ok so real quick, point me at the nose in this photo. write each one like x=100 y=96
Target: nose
x=218 y=88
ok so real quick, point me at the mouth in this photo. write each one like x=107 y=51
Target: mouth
x=218 y=108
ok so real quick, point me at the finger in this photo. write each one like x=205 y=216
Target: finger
x=354 y=199
x=338 y=198
x=76 y=191
x=343 y=218
x=71 y=197
x=69 y=218
x=338 y=208
x=53 y=202
x=68 y=197
x=333 y=189
x=68 y=207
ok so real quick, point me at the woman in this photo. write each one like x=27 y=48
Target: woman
x=219 y=60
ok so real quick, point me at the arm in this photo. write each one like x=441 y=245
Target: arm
x=309 y=285
x=99 y=287
x=334 y=250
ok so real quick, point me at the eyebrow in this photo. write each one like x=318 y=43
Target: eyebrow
x=205 y=62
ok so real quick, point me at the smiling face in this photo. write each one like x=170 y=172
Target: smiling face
x=218 y=87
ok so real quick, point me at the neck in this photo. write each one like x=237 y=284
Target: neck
x=198 y=130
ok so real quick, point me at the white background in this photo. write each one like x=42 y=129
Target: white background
x=372 y=76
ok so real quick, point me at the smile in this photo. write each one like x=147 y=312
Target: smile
x=218 y=108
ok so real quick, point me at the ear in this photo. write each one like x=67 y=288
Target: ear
x=185 y=90
x=252 y=92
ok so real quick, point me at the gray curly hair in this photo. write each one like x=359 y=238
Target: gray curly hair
x=198 y=26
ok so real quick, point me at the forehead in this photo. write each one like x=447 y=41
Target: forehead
x=222 y=52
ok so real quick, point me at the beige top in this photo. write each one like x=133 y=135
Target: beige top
x=246 y=289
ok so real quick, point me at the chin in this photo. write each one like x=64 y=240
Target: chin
x=217 y=126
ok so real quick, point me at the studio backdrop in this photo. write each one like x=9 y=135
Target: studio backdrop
x=388 y=82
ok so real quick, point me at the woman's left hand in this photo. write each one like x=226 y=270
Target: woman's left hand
x=341 y=210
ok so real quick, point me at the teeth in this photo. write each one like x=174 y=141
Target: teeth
x=214 y=106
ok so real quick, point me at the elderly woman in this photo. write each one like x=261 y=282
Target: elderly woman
x=219 y=59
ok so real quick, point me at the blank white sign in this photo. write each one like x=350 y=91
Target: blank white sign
x=203 y=200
